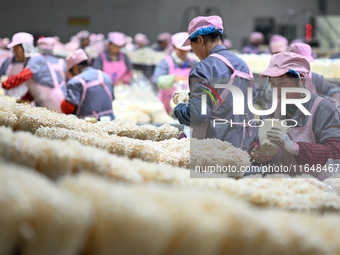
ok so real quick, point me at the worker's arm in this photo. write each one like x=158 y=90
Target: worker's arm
x=27 y=97
x=326 y=129
x=162 y=69
x=67 y=107
x=182 y=113
x=313 y=154
x=98 y=63
x=17 y=79
x=72 y=99
x=4 y=66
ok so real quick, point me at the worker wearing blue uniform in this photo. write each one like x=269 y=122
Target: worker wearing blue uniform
x=217 y=66
x=89 y=92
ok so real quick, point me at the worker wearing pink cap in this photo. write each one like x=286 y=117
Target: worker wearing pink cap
x=114 y=62
x=278 y=43
x=45 y=86
x=172 y=72
x=141 y=40
x=217 y=66
x=89 y=91
x=255 y=39
x=45 y=46
x=5 y=53
x=315 y=82
x=14 y=63
x=316 y=137
x=84 y=38
x=164 y=43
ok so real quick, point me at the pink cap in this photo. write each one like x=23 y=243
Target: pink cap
x=116 y=38
x=303 y=49
x=278 y=43
x=256 y=37
x=282 y=62
x=20 y=38
x=164 y=37
x=46 y=43
x=178 y=39
x=96 y=37
x=278 y=38
x=75 y=58
x=203 y=22
x=141 y=38
x=278 y=47
x=83 y=34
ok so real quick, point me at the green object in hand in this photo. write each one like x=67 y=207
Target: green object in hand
x=166 y=81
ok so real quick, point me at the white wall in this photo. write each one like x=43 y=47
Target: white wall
x=48 y=17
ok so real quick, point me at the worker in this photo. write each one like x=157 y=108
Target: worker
x=97 y=42
x=277 y=44
x=45 y=46
x=315 y=82
x=45 y=85
x=164 y=43
x=255 y=39
x=314 y=138
x=84 y=39
x=5 y=53
x=114 y=62
x=89 y=91
x=217 y=66
x=172 y=72
x=14 y=64
x=141 y=40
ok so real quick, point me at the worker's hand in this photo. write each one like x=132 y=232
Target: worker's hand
x=259 y=157
x=281 y=139
x=119 y=82
x=5 y=85
x=180 y=78
x=180 y=97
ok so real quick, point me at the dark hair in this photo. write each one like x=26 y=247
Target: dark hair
x=213 y=37
x=84 y=63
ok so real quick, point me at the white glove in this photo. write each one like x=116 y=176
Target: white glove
x=180 y=97
x=281 y=139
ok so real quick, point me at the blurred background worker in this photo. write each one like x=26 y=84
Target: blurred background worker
x=14 y=64
x=172 y=72
x=114 y=62
x=45 y=86
x=141 y=40
x=315 y=82
x=45 y=46
x=84 y=39
x=90 y=91
x=255 y=39
x=5 y=53
x=217 y=66
x=316 y=138
x=164 y=43
x=277 y=44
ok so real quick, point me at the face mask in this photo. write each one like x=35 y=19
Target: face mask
x=28 y=49
x=177 y=60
